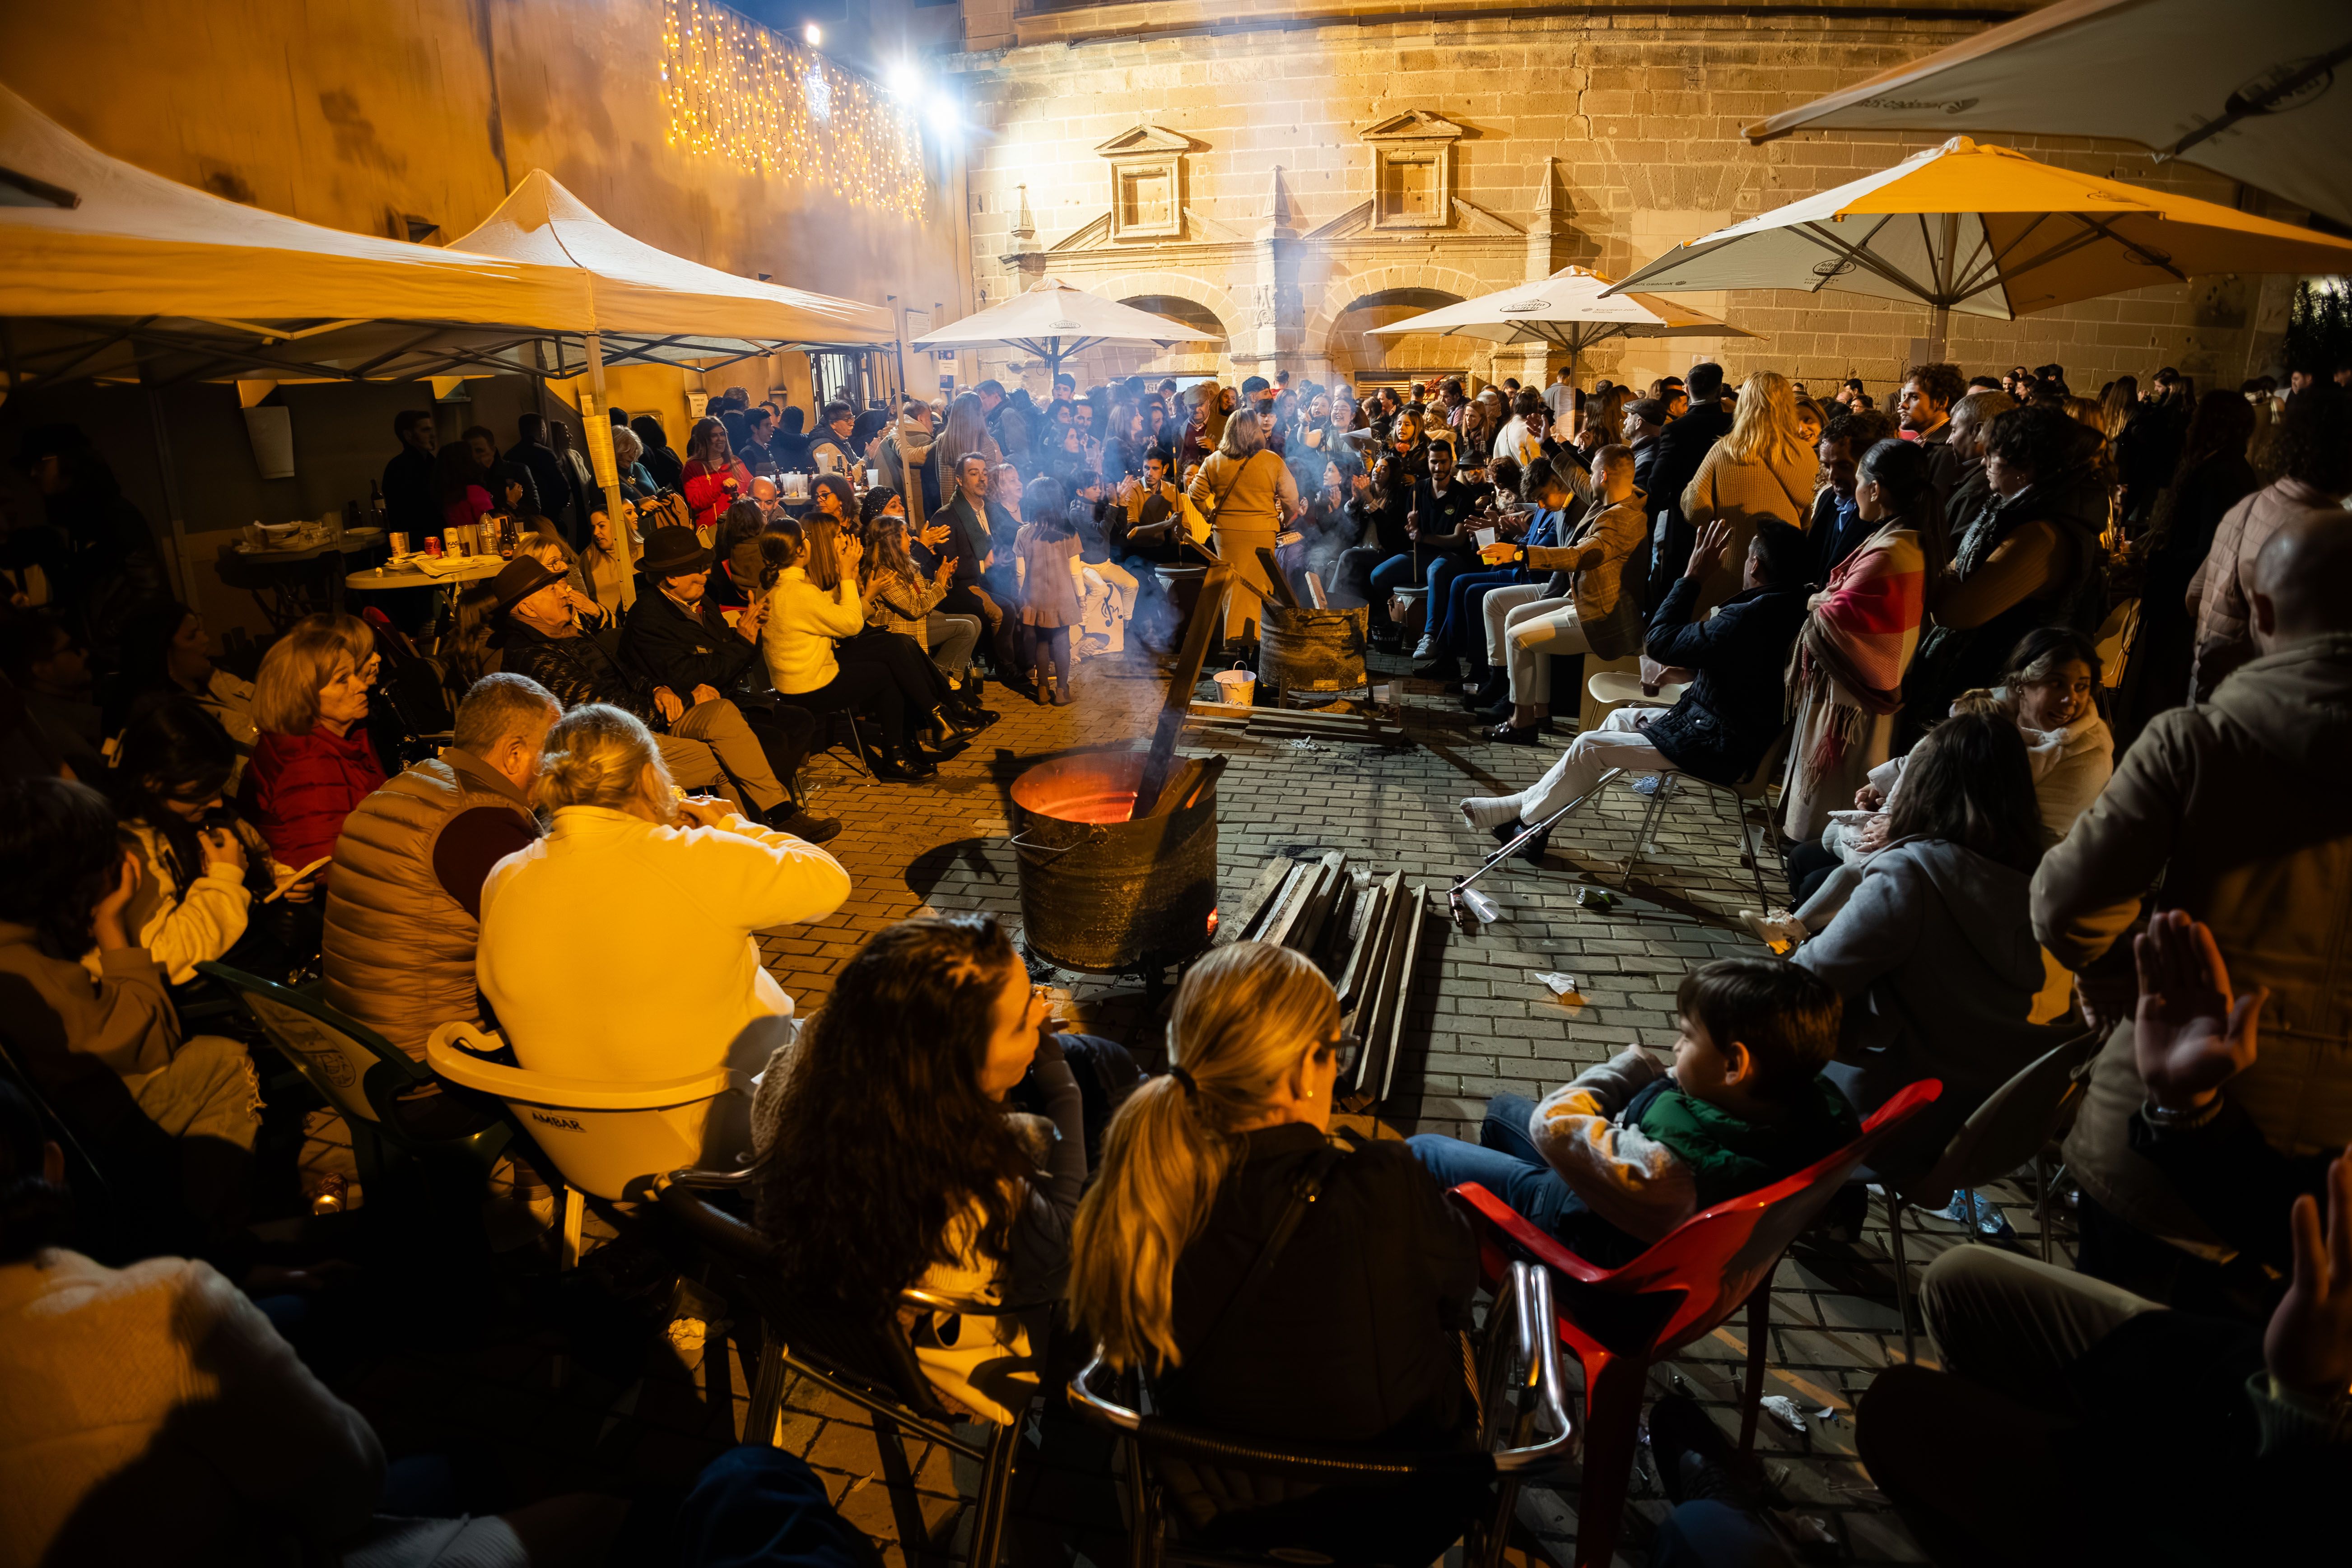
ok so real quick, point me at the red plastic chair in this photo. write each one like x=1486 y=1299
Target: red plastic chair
x=1619 y=1321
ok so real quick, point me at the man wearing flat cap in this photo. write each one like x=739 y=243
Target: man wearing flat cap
x=704 y=743
x=679 y=639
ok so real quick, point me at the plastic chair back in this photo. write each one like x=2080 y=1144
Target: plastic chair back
x=2009 y=1129
x=354 y=1070
x=1691 y=1280
x=606 y=1140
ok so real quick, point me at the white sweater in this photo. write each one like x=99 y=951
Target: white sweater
x=151 y=1414
x=619 y=951
x=804 y=623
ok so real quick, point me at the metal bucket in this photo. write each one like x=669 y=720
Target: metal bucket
x=1313 y=650
x=1099 y=893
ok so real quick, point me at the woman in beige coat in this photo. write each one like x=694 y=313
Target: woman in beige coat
x=1246 y=491
x=1761 y=468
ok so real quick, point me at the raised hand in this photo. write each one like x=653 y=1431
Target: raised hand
x=2190 y=1037
x=1712 y=541
x=2308 y=1346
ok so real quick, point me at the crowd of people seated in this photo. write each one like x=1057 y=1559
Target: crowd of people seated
x=1906 y=620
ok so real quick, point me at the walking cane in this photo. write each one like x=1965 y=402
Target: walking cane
x=1471 y=908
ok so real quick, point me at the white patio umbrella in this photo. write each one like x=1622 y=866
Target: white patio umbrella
x=2246 y=88
x=1053 y=321
x=1570 y=309
x=1988 y=232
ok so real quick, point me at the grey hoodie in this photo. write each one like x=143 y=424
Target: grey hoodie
x=1935 y=958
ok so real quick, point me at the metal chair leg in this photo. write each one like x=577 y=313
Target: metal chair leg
x=994 y=1503
x=1902 y=1278
x=857 y=741
x=767 y=1393
x=1759 y=1328
x=898 y=1480
x=1649 y=824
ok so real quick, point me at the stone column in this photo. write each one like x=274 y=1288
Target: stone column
x=1275 y=332
x=1548 y=250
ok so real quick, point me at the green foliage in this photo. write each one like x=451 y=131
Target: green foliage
x=2319 y=325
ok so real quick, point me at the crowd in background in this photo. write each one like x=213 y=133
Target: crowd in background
x=1909 y=617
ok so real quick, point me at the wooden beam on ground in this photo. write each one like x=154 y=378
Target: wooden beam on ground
x=1199 y=632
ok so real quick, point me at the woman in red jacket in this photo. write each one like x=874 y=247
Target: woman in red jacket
x=715 y=480
x=313 y=763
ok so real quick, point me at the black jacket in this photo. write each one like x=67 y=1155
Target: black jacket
x=1678 y=451
x=670 y=648
x=551 y=484
x=970 y=538
x=408 y=504
x=1351 y=1339
x=578 y=669
x=1727 y=719
x=1828 y=540
x=1444 y=514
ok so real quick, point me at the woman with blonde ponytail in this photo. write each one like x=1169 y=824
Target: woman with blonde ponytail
x=1349 y=1333
x=675 y=887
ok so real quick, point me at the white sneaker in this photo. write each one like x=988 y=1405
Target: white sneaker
x=1775 y=929
x=1426 y=647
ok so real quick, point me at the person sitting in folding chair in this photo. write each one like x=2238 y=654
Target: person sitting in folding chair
x=1726 y=722
x=1628 y=1151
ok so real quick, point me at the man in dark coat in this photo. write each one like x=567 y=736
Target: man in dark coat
x=1727 y=718
x=1681 y=448
x=681 y=642
x=409 y=506
x=548 y=475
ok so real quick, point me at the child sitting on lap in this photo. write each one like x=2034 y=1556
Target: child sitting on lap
x=1632 y=1149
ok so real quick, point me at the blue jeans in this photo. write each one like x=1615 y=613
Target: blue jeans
x=1465 y=632
x=754 y=1505
x=1506 y=1161
x=1705 y=1533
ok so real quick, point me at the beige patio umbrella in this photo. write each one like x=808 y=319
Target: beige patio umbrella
x=1053 y=321
x=1987 y=231
x=2246 y=88
x=1572 y=309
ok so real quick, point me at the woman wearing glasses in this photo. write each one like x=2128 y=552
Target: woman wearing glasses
x=888 y=1158
x=1253 y=1309
x=313 y=762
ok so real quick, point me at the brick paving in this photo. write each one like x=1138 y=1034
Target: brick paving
x=1481 y=1023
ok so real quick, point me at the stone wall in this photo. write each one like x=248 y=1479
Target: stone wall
x=1585 y=136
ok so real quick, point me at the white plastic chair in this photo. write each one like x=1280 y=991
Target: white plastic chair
x=607 y=1140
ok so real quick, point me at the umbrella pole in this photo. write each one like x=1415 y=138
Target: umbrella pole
x=1939 y=333
x=596 y=435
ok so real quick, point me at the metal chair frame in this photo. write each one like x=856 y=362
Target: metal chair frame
x=1756 y=787
x=1519 y=1384
x=895 y=1396
x=2011 y=1130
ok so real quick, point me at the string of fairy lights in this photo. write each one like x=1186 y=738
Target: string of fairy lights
x=737 y=91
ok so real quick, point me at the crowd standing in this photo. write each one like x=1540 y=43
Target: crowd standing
x=2058 y=690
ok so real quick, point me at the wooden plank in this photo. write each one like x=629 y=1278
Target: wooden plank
x=1317 y=599
x=1373 y=1019
x=1281 y=594
x=1276 y=927
x=1183 y=780
x=1377 y=903
x=1233 y=926
x=1308 y=937
x=1211 y=770
x=1208 y=616
x=1417 y=920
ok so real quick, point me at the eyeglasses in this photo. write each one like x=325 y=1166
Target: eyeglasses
x=1346 y=1048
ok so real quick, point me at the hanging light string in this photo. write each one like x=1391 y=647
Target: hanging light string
x=736 y=91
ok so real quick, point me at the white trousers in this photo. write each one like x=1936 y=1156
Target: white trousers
x=1617 y=744
x=1531 y=635
x=1496 y=607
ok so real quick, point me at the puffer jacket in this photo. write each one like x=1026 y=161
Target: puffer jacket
x=399 y=950
x=299 y=789
x=1727 y=719
x=2234 y=811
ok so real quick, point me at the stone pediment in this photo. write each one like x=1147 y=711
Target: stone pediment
x=1476 y=219
x=1145 y=139
x=1354 y=224
x=1095 y=233
x=1414 y=126
x=1469 y=218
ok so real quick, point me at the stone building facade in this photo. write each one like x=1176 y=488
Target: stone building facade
x=1288 y=176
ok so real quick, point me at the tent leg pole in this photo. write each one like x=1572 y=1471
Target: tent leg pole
x=168 y=471
x=1939 y=333
x=606 y=467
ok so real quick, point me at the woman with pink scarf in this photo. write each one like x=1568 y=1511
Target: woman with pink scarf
x=1845 y=674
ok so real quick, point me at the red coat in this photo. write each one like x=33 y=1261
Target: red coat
x=707 y=492
x=299 y=789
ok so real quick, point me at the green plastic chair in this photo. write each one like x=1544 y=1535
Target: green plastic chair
x=359 y=1074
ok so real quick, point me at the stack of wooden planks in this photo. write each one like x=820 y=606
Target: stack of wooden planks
x=1364 y=932
x=1368 y=728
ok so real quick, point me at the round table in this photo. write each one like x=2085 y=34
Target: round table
x=291 y=596
x=468 y=569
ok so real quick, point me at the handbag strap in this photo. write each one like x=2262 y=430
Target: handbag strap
x=1303 y=1192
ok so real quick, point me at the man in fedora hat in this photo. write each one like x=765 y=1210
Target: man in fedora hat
x=679 y=639
x=706 y=742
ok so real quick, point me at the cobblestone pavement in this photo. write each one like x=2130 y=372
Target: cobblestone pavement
x=1482 y=1023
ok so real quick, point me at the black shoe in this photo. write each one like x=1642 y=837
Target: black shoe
x=1696 y=1460
x=1512 y=735
x=972 y=721
x=789 y=818
x=907 y=770
x=1480 y=695
x=1444 y=667
x=942 y=740
x=1499 y=712
x=1532 y=851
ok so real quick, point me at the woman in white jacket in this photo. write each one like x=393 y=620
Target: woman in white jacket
x=813 y=604
x=681 y=886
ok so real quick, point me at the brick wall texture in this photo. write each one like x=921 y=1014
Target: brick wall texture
x=1638 y=114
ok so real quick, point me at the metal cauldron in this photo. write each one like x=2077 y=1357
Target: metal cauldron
x=1320 y=651
x=1099 y=893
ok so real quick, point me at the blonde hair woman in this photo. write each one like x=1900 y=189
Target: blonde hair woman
x=1760 y=469
x=1350 y=1332
x=313 y=763
x=1246 y=491
x=690 y=880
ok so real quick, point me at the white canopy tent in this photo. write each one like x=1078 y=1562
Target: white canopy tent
x=1987 y=231
x=1053 y=321
x=2246 y=88
x=1570 y=309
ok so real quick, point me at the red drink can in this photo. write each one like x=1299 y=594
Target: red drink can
x=432 y=546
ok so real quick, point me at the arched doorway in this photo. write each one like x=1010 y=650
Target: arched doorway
x=1375 y=361
x=1185 y=359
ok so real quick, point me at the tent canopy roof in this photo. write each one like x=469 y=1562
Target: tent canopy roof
x=637 y=289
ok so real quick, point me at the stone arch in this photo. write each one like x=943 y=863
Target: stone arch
x=1347 y=290
x=1217 y=302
